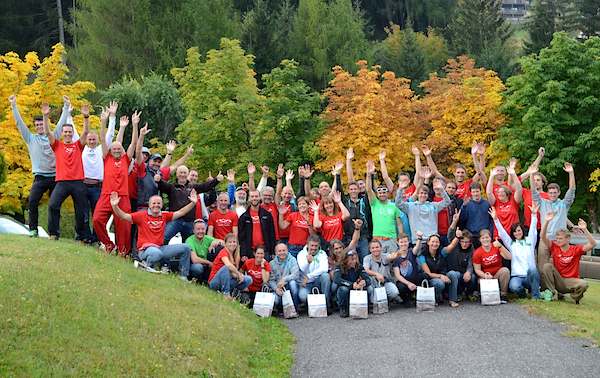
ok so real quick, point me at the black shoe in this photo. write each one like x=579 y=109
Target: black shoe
x=343 y=313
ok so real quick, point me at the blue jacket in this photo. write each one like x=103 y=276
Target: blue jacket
x=474 y=217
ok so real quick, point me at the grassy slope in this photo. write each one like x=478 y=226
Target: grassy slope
x=584 y=319
x=69 y=310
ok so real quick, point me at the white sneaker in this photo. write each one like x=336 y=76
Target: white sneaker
x=184 y=279
x=165 y=270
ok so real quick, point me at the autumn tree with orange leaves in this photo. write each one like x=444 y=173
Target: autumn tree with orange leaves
x=370 y=112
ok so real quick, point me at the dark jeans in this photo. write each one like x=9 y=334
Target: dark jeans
x=93 y=194
x=78 y=192
x=40 y=185
x=185 y=228
x=405 y=293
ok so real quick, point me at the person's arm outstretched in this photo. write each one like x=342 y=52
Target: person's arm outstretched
x=114 y=203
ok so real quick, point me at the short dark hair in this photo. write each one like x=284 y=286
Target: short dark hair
x=403 y=174
x=38 y=118
x=68 y=125
x=314 y=239
x=553 y=186
x=352 y=183
x=475 y=185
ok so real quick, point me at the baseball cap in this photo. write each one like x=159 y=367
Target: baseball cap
x=145 y=150
x=239 y=188
x=156 y=156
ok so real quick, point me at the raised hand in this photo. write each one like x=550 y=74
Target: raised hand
x=12 y=99
x=308 y=172
x=145 y=130
x=458 y=233
x=85 y=110
x=189 y=150
x=337 y=197
x=280 y=171
x=426 y=150
x=157 y=177
x=265 y=170
x=231 y=175
x=425 y=173
x=474 y=148
x=251 y=169
x=494 y=172
x=541 y=151
x=350 y=154
x=512 y=164
x=370 y=167
x=549 y=216
x=456 y=216
x=123 y=121
x=289 y=175
x=210 y=176
x=112 y=108
x=582 y=224
x=193 y=196
x=45 y=109
x=481 y=148
x=358 y=223
x=67 y=101
x=220 y=177
x=415 y=150
x=103 y=114
x=313 y=205
x=382 y=155
x=282 y=209
x=170 y=146
x=419 y=235
x=135 y=118
x=114 y=199
x=568 y=167
x=338 y=167
x=497 y=244
x=534 y=207
x=492 y=212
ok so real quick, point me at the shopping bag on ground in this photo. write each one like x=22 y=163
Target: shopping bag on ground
x=289 y=310
x=380 y=301
x=425 y=297
x=359 y=305
x=317 y=306
x=490 y=292
x=263 y=302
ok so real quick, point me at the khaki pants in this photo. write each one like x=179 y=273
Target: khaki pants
x=503 y=277
x=552 y=280
x=543 y=256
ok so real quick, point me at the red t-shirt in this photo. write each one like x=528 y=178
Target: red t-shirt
x=272 y=208
x=257 y=236
x=218 y=263
x=508 y=214
x=298 y=228
x=408 y=192
x=463 y=189
x=527 y=201
x=284 y=233
x=138 y=169
x=254 y=270
x=332 y=227
x=567 y=262
x=490 y=262
x=151 y=229
x=222 y=223
x=116 y=175
x=68 y=160
x=443 y=222
x=505 y=185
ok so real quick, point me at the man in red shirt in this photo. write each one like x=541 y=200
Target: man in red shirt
x=268 y=198
x=562 y=275
x=505 y=200
x=151 y=232
x=117 y=162
x=223 y=220
x=69 y=175
x=256 y=227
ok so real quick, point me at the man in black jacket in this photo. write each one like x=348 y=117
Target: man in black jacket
x=459 y=259
x=178 y=194
x=255 y=228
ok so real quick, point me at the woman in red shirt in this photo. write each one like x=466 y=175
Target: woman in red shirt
x=330 y=216
x=504 y=200
x=224 y=275
x=487 y=261
x=259 y=270
x=299 y=223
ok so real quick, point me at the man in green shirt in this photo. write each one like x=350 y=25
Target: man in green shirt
x=200 y=244
x=386 y=216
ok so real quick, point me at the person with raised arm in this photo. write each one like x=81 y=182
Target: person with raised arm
x=561 y=276
x=474 y=215
x=560 y=209
x=523 y=269
x=299 y=223
x=41 y=156
x=350 y=275
x=503 y=199
x=284 y=196
x=539 y=180
x=116 y=172
x=487 y=262
x=404 y=184
x=406 y=269
x=387 y=223
x=69 y=175
x=459 y=260
x=151 y=231
x=362 y=188
x=329 y=217
x=256 y=227
x=378 y=266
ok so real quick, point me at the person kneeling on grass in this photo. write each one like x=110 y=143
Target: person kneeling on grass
x=284 y=274
x=562 y=275
x=151 y=230
x=487 y=261
x=350 y=275
x=224 y=275
x=200 y=244
x=259 y=270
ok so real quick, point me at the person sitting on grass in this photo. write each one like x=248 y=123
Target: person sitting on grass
x=523 y=268
x=259 y=270
x=434 y=266
x=200 y=244
x=487 y=261
x=350 y=275
x=224 y=274
x=406 y=270
x=284 y=274
x=562 y=275
x=151 y=225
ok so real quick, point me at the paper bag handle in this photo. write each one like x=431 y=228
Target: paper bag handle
x=266 y=289
x=426 y=284
x=317 y=289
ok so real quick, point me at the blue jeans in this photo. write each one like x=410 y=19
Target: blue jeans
x=292 y=286
x=439 y=286
x=154 y=255
x=225 y=283
x=185 y=228
x=458 y=284
x=197 y=270
x=93 y=194
x=343 y=295
x=323 y=283
x=362 y=248
x=391 y=290
x=518 y=284
x=294 y=249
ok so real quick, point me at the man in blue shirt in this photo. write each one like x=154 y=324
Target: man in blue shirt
x=474 y=215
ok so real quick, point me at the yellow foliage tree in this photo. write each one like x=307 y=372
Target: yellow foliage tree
x=463 y=107
x=34 y=83
x=370 y=112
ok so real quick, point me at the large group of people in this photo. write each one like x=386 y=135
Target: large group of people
x=251 y=237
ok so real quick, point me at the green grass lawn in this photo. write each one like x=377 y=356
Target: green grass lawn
x=583 y=319
x=67 y=219
x=66 y=309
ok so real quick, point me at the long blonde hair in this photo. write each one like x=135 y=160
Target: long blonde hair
x=236 y=253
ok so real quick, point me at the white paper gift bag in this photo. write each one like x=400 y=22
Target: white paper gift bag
x=359 y=305
x=263 y=302
x=490 y=291
x=380 y=300
x=289 y=310
x=425 y=297
x=317 y=306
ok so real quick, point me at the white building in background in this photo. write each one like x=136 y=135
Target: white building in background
x=515 y=10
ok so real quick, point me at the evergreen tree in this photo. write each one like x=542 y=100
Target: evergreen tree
x=589 y=11
x=547 y=17
x=411 y=63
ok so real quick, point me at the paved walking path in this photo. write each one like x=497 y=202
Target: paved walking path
x=497 y=341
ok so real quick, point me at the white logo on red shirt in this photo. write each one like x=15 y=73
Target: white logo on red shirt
x=491 y=259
